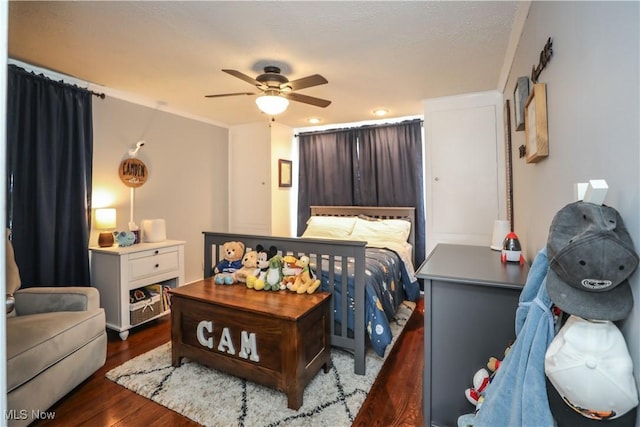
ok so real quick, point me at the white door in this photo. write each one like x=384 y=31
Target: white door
x=249 y=179
x=464 y=179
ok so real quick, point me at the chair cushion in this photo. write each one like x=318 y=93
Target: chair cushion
x=38 y=341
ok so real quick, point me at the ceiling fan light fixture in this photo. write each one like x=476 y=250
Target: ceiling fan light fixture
x=272 y=104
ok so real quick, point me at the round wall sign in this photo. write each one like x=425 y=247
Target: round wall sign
x=133 y=172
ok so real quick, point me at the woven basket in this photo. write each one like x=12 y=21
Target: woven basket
x=145 y=309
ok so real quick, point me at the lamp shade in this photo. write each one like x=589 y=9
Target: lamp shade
x=272 y=104
x=105 y=218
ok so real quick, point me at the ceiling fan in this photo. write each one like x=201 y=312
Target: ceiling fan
x=277 y=90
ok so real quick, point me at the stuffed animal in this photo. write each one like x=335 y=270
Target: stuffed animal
x=289 y=271
x=494 y=363
x=481 y=380
x=249 y=265
x=224 y=272
x=256 y=280
x=273 y=279
x=124 y=238
x=306 y=280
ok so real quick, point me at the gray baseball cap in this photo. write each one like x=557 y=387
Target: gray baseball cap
x=591 y=255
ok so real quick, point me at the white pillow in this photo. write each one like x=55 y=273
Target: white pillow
x=381 y=230
x=332 y=227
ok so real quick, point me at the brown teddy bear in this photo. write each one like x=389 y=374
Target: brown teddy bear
x=225 y=271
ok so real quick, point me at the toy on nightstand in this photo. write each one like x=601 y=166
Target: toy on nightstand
x=124 y=238
x=224 y=272
x=511 y=250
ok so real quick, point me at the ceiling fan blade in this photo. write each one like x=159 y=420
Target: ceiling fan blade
x=318 y=102
x=244 y=77
x=229 y=94
x=309 y=81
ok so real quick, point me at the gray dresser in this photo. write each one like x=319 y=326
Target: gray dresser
x=470 y=300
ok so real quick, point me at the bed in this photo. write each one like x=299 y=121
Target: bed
x=376 y=275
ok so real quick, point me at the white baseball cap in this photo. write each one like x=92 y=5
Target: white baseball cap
x=589 y=365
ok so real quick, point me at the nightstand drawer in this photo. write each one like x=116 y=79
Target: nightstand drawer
x=152 y=263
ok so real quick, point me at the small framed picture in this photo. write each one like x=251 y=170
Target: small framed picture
x=536 y=132
x=284 y=173
x=520 y=95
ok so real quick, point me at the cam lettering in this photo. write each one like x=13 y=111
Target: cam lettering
x=248 y=342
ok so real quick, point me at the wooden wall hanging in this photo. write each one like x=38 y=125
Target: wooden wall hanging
x=545 y=57
x=133 y=172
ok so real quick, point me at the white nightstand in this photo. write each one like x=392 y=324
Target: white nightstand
x=115 y=271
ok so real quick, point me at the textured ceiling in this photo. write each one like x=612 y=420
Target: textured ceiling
x=391 y=54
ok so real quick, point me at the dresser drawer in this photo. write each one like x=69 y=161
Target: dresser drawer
x=153 y=262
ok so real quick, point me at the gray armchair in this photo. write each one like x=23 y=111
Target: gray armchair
x=56 y=338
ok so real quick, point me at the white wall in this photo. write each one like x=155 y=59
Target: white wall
x=282 y=198
x=593 y=93
x=187 y=162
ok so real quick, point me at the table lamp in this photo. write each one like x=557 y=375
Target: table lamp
x=105 y=220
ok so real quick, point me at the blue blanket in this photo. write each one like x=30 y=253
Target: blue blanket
x=387 y=284
x=517 y=396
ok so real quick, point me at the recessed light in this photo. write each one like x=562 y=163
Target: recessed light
x=381 y=112
x=314 y=120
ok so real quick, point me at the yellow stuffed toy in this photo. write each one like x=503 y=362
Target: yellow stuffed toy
x=249 y=265
x=290 y=271
x=305 y=281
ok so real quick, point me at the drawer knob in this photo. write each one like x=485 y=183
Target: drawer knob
x=157 y=252
x=157 y=265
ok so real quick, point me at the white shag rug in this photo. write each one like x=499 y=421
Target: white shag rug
x=213 y=398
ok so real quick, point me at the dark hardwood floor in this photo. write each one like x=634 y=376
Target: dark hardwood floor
x=394 y=400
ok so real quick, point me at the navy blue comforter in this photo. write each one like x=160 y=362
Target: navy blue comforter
x=387 y=284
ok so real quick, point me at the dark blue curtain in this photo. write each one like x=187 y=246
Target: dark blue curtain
x=364 y=166
x=49 y=168
x=327 y=172
x=390 y=168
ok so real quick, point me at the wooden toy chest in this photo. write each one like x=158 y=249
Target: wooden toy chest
x=279 y=339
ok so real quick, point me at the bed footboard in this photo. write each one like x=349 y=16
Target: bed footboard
x=337 y=252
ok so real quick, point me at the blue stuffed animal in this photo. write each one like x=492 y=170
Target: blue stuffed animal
x=124 y=238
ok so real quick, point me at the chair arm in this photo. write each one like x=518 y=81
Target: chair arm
x=52 y=299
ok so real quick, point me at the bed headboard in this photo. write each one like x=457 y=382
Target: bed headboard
x=407 y=213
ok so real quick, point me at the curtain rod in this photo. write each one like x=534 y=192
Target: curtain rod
x=320 y=132
x=61 y=81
